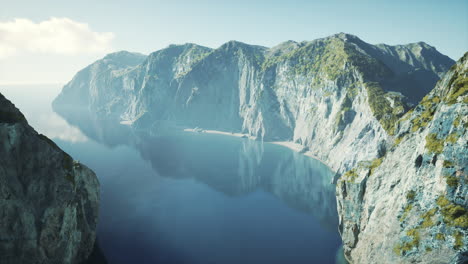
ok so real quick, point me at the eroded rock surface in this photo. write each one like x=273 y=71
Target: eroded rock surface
x=48 y=201
x=410 y=206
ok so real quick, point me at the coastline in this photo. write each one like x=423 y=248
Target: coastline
x=288 y=144
x=232 y=134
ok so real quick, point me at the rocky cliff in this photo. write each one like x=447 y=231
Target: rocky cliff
x=410 y=205
x=338 y=95
x=48 y=201
x=402 y=196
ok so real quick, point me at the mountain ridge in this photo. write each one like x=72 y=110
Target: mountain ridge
x=242 y=88
x=352 y=104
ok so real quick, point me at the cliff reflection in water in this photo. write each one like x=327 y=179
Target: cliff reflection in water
x=233 y=166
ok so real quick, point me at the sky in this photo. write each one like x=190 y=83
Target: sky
x=48 y=41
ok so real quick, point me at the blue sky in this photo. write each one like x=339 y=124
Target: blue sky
x=146 y=26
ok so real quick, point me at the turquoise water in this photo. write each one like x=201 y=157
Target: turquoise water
x=199 y=198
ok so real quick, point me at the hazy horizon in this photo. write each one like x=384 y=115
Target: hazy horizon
x=49 y=42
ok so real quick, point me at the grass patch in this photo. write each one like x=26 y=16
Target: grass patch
x=344 y=108
x=411 y=195
x=350 y=175
x=427 y=218
x=382 y=108
x=406 y=211
x=375 y=164
x=429 y=105
x=452 y=181
x=325 y=56
x=442 y=201
x=458 y=89
x=371 y=68
x=406 y=116
x=452 y=137
x=414 y=233
x=458 y=240
x=433 y=144
x=398 y=141
x=402 y=248
x=448 y=164
x=453 y=214
x=456 y=122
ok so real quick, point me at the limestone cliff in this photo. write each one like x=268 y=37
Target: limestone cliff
x=402 y=197
x=410 y=206
x=48 y=201
x=335 y=95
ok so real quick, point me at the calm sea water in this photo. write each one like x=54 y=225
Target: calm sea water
x=198 y=198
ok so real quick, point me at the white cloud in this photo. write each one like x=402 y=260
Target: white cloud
x=55 y=36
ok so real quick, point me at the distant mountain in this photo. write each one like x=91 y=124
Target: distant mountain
x=335 y=94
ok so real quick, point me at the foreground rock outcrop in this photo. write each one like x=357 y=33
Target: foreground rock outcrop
x=48 y=201
x=410 y=206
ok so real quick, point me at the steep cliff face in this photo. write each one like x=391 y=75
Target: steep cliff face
x=410 y=206
x=100 y=84
x=335 y=95
x=48 y=201
x=402 y=197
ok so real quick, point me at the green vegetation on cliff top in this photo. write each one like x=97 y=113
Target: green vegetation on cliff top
x=386 y=107
x=329 y=56
x=326 y=56
x=458 y=85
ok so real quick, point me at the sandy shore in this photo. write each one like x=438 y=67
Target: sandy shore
x=288 y=144
x=296 y=147
x=195 y=130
